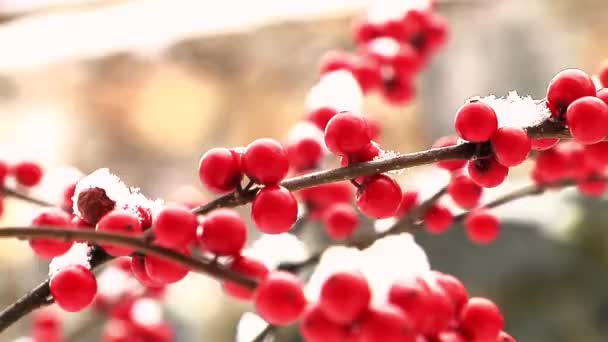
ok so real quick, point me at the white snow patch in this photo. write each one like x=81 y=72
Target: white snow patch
x=79 y=254
x=113 y=283
x=396 y=257
x=517 y=111
x=387 y=47
x=338 y=90
x=147 y=312
x=24 y=339
x=383 y=225
x=274 y=249
x=305 y=129
x=250 y=325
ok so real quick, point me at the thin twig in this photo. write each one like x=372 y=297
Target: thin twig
x=24 y=197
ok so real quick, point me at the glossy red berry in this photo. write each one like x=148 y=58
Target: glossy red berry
x=398 y=90
x=27 y=173
x=163 y=271
x=266 y=162
x=587 y=120
x=93 y=204
x=451 y=336
x=438 y=219
x=454 y=289
x=247 y=267
x=566 y=87
x=119 y=222
x=73 y=288
x=379 y=197
x=542 y=144
x=387 y=324
x=321 y=116
x=279 y=299
x=345 y=296
x=481 y=319
x=138 y=268
x=476 y=122
x=487 y=172
x=223 y=233
x=340 y=220
x=316 y=327
x=603 y=75
x=367 y=72
x=347 y=133
x=465 y=193
x=50 y=218
x=482 y=227
x=413 y=298
x=602 y=94
x=409 y=201
x=274 y=210
x=175 y=226
x=67 y=203
x=220 y=170
x=511 y=145
x=450 y=165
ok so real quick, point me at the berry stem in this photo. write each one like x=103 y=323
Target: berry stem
x=24 y=197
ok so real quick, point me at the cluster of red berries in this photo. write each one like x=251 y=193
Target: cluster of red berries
x=46 y=326
x=26 y=174
x=390 y=52
x=434 y=307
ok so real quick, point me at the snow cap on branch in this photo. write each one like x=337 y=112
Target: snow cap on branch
x=517 y=111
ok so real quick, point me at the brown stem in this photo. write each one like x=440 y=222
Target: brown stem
x=24 y=197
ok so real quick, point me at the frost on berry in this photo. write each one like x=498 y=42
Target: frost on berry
x=273 y=249
x=147 y=312
x=338 y=90
x=517 y=111
x=374 y=263
x=101 y=191
x=78 y=254
x=114 y=283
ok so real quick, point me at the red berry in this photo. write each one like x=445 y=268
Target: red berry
x=438 y=219
x=345 y=296
x=481 y=319
x=279 y=299
x=50 y=218
x=367 y=73
x=450 y=336
x=224 y=232
x=144 y=215
x=323 y=196
x=602 y=94
x=1 y=206
x=27 y=173
x=175 y=226
x=265 y=161
x=542 y=144
x=163 y=271
x=321 y=116
x=592 y=188
x=274 y=210
x=386 y=324
x=476 y=122
x=413 y=298
x=73 y=288
x=220 y=170
x=4 y=171
x=93 y=204
x=409 y=201
x=67 y=204
x=316 y=327
x=587 y=120
x=119 y=222
x=450 y=165
x=379 y=197
x=454 y=289
x=464 y=191
x=364 y=30
x=247 y=267
x=482 y=227
x=511 y=145
x=340 y=221
x=566 y=87
x=138 y=268
x=437 y=31
x=368 y=153
x=552 y=165
x=487 y=172
x=305 y=153
x=347 y=133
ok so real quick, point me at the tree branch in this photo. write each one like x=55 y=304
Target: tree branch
x=26 y=198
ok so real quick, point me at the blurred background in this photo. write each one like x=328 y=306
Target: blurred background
x=144 y=87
